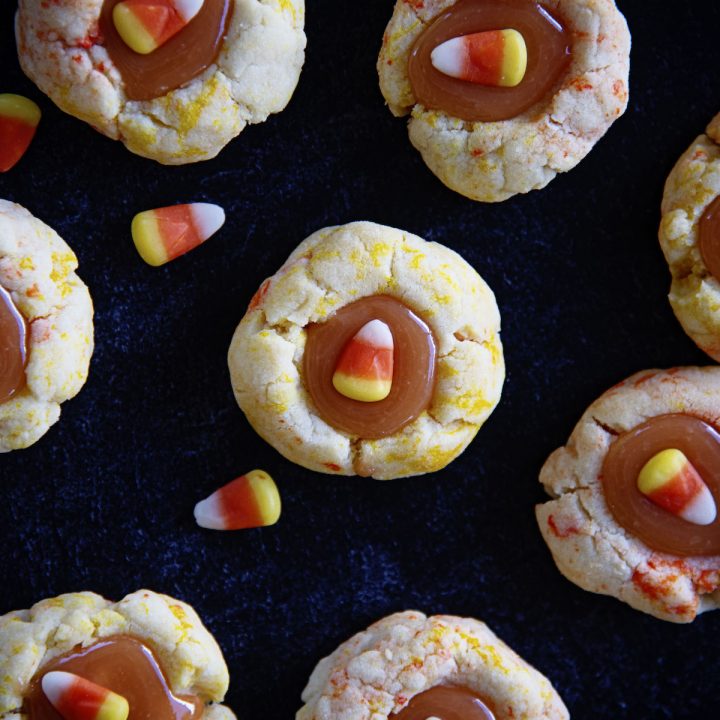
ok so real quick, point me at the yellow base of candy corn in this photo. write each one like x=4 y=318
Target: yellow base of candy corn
x=146 y=236
x=130 y=29
x=660 y=469
x=360 y=388
x=266 y=496
x=114 y=707
x=514 y=59
x=19 y=107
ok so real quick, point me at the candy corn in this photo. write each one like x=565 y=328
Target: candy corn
x=494 y=57
x=670 y=481
x=145 y=25
x=19 y=118
x=365 y=369
x=166 y=233
x=76 y=698
x=249 y=501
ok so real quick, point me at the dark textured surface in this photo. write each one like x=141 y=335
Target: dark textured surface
x=104 y=501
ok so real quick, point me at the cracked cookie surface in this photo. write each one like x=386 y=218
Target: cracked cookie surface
x=254 y=75
x=588 y=545
x=378 y=671
x=492 y=161
x=691 y=186
x=330 y=269
x=189 y=655
x=37 y=268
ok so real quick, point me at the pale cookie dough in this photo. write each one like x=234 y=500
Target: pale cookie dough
x=37 y=268
x=691 y=186
x=254 y=75
x=588 y=545
x=492 y=161
x=336 y=266
x=189 y=655
x=378 y=671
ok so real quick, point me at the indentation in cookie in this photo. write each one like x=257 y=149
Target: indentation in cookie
x=175 y=61
x=13 y=347
x=124 y=665
x=413 y=368
x=547 y=59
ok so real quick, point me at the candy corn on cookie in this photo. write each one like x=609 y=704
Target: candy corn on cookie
x=81 y=657
x=46 y=327
x=636 y=491
x=370 y=352
x=503 y=95
x=408 y=666
x=690 y=241
x=174 y=80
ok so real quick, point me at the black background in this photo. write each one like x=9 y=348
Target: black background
x=104 y=501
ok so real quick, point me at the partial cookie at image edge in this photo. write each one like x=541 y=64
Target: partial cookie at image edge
x=588 y=545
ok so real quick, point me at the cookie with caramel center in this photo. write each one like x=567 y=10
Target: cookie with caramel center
x=448 y=367
x=44 y=300
x=605 y=534
x=235 y=63
x=490 y=143
x=410 y=666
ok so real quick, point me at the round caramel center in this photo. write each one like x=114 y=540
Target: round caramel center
x=446 y=702
x=656 y=527
x=173 y=64
x=548 y=49
x=13 y=347
x=413 y=372
x=124 y=665
x=709 y=237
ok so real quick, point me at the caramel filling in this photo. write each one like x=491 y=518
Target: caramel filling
x=656 y=527
x=175 y=63
x=548 y=49
x=413 y=372
x=709 y=237
x=13 y=348
x=124 y=665
x=446 y=702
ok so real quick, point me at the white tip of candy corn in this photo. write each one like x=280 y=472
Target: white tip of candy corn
x=208 y=218
x=55 y=684
x=375 y=333
x=188 y=9
x=208 y=513
x=449 y=57
x=701 y=510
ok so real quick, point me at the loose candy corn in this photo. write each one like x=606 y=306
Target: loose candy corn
x=76 y=698
x=145 y=25
x=670 y=481
x=365 y=369
x=249 y=501
x=19 y=118
x=494 y=57
x=166 y=233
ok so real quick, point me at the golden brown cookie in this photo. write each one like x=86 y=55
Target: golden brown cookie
x=691 y=188
x=53 y=326
x=155 y=635
x=334 y=271
x=397 y=666
x=185 y=101
x=606 y=535
x=492 y=160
